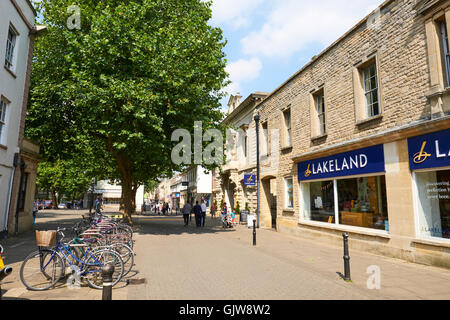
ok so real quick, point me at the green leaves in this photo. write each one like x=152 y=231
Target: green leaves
x=134 y=73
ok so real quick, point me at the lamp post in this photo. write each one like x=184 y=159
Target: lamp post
x=257 y=118
x=91 y=202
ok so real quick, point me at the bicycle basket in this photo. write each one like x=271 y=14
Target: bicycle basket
x=45 y=238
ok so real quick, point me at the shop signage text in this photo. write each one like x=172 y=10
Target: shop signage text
x=362 y=161
x=429 y=151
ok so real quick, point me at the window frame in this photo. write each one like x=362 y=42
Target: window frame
x=10 y=53
x=320 y=116
x=287 y=129
x=336 y=224
x=3 y=114
x=286 y=194
x=369 y=108
x=444 y=50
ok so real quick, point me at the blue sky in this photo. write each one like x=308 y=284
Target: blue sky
x=270 y=40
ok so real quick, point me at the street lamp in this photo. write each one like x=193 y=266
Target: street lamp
x=91 y=203
x=257 y=118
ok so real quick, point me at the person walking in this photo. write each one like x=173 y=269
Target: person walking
x=35 y=211
x=224 y=212
x=186 y=212
x=203 y=217
x=198 y=214
x=213 y=211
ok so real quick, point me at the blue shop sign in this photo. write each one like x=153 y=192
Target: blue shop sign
x=429 y=151
x=250 y=179
x=357 y=162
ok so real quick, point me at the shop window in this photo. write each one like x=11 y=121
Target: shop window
x=319 y=201
x=363 y=202
x=434 y=203
x=289 y=193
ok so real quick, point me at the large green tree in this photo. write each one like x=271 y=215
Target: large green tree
x=132 y=74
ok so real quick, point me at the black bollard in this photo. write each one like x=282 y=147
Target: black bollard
x=346 y=258
x=254 y=232
x=107 y=274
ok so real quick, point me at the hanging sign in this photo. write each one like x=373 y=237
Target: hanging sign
x=357 y=162
x=250 y=179
x=429 y=151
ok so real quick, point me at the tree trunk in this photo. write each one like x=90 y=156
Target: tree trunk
x=54 y=201
x=129 y=199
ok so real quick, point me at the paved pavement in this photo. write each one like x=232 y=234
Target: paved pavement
x=213 y=263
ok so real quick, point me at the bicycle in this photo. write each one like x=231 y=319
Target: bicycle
x=42 y=269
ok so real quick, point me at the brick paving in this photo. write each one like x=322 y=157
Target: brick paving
x=212 y=263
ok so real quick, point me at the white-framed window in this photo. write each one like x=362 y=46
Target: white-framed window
x=3 y=109
x=289 y=193
x=432 y=203
x=245 y=144
x=370 y=86
x=320 y=108
x=10 y=48
x=445 y=52
x=287 y=124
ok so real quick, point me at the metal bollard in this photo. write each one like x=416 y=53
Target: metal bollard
x=346 y=258
x=254 y=232
x=107 y=274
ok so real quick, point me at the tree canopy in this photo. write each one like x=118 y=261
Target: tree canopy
x=132 y=74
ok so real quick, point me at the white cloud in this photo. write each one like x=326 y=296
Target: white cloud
x=236 y=13
x=293 y=24
x=242 y=71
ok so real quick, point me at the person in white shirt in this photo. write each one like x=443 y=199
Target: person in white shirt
x=203 y=205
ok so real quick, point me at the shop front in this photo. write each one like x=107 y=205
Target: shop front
x=429 y=159
x=346 y=189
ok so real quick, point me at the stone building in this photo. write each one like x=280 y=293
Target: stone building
x=364 y=139
x=240 y=152
x=18 y=157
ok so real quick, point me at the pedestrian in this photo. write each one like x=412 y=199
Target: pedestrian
x=170 y=208
x=35 y=211
x=213 y=211
x=198 y=214
x=224 y=212
x=203 y=206
x=186 y=212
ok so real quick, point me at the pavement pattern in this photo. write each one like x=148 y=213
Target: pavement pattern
x=174 y=262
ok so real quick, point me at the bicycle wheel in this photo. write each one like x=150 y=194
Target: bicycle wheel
x=94 y=264
x=127 y=255
x=41 y=270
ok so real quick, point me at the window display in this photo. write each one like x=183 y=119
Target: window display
x=289 y=194
x=434 y=203
x=363 y=203
x=319 y=201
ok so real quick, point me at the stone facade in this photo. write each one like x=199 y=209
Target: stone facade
x=400 y=37
x=240 y=151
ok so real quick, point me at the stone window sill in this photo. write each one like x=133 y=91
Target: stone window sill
x=369 y=120
x=285 y=148
x=10 y=71
x=349 y=229
x=432 y=242
x=322 y=136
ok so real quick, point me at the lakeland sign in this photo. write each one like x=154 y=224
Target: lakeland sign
x=357 y=162
x=429 y=151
